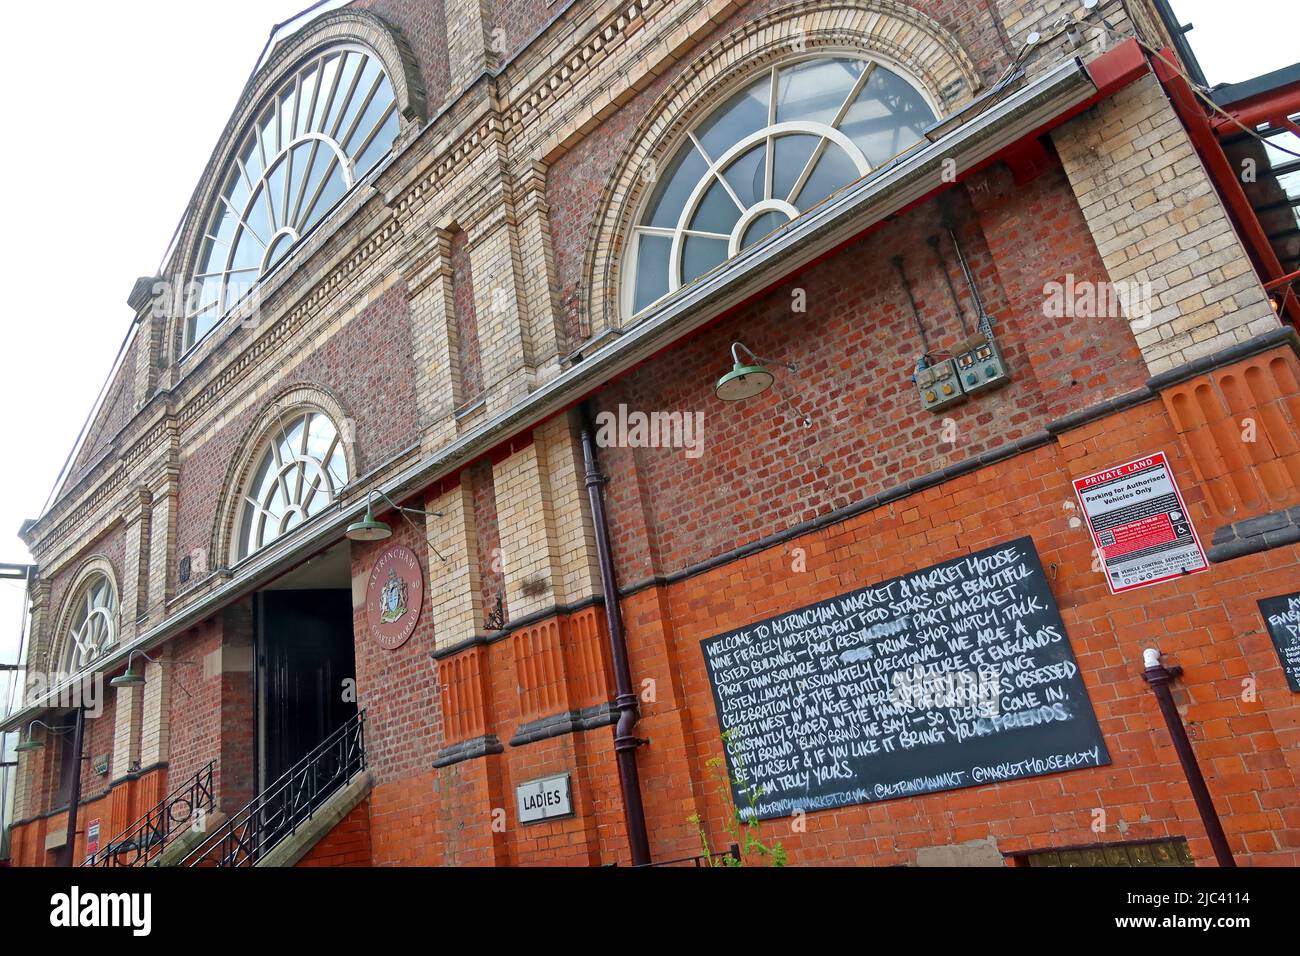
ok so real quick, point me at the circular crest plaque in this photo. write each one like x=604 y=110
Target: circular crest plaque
x=394 y=596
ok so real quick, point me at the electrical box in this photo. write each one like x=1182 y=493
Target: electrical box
x=938 y=385
x=980 y=365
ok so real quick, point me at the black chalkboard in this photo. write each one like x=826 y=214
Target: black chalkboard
x=957 y=675
x=1282 y=617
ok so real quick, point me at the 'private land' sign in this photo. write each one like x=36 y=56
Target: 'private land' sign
x=1139 y=524
x=954 y=676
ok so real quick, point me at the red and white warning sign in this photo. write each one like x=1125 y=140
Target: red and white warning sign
x=1139 y=524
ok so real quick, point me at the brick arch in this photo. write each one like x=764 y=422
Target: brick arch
x=302 y=397
x=95 y=564
x=340 y=26
x=898 y=36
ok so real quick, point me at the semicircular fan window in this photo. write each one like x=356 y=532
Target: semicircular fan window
x=325 y=127
x=768 y=154
x=93 y=629
x=300 y=472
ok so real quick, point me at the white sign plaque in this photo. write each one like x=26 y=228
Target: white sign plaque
x=544 y=799
x=1139 y=524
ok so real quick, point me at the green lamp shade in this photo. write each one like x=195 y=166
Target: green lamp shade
x=29 y=744
x=368 y=529
x=743 y=381
x=129 y=678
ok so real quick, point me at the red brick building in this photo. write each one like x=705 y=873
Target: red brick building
x=470 y=274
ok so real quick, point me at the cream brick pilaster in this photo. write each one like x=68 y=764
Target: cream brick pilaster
x=162 y=540
x=505 y=355
x=547 y=542
x=531 y=566
x=133 y=601
x=155 y=718
x=151 y=308
x=1161 y=228
x=471 y=48
x=426 y=264
x=543 y=332
x=24 y=785
x=40 y=628
x=455 y=599
x=574 y=536
x=127 y=719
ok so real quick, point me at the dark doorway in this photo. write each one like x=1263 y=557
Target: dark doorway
x=306 y=669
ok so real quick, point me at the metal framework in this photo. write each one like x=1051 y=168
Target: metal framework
x=144 y=841
x=286 y=804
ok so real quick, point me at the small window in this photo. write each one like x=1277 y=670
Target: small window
x=93 y=628
x=300 y=472
x=784 y=143
x=1172 y=852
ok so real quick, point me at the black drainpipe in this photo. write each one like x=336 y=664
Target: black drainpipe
x=625 y=741
x=68 y=856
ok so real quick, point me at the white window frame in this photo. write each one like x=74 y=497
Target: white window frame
x=308 y=498
x=252 y=132
x=713 y=173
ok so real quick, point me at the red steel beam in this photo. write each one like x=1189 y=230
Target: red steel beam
x=1222 y=173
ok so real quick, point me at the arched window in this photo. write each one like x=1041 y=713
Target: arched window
x=771 y=152
x=327 y=125
x=301 y=471
x=92 y=628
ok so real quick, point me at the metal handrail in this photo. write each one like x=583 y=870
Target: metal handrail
x=278 y=811
x=143 y=841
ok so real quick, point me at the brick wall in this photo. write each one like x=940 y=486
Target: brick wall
x=368 y=370
x=1161 y=226
x=397 y=688
x=348 y=844
x=855 y=349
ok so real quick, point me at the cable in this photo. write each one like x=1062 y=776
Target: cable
x=934 y=242
x=916 y=313
x=1196 y=88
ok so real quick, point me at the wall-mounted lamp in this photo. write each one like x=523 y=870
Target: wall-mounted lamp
x=29 y=744
x=746 y=381
x=371 y=528
x=131 y=678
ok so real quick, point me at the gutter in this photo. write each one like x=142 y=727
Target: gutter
x=1044 y=103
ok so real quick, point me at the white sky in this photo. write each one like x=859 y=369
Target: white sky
x=105 y=136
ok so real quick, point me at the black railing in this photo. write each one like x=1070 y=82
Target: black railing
x=704 y=859
x=143 y=842
x=286 y=804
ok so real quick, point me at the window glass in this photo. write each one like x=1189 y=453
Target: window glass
x=887 y=117
x=330 y=123
x=740 y=116
x=301 y=470
x=92 y=629
x=834 y=119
